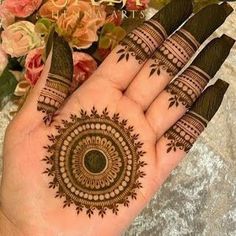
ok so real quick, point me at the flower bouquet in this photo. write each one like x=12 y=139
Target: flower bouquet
x=92 y=28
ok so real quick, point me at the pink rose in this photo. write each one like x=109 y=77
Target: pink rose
x=22 y=8
x=34 y=65
x=19 y=38
x=6 y=18
x=84 y=66
x=132 y=5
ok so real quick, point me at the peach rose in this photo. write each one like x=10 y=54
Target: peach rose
x=3 y=60
x=22 y=8
x=34 y=65
x=6 y=18
x=52 y=8
x=19 y=38
x=84 y=66
x=78 y=22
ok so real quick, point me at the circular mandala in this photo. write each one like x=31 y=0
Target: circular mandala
x=95 y=162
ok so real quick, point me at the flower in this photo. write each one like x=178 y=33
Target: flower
x=22 y=8
x=84 y=66
x=132 y=5
x=6 y=18
x=3 y=60
x=78 y=21
x=34 y=65
x=110 y=36
x=52 y=8
x=19 y=38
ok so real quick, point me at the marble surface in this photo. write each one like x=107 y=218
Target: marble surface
x=199 y=198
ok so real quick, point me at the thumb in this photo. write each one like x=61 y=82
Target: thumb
x=53 y=86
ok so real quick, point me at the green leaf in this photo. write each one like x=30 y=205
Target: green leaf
x=107 y=28
x=119 y=32
x=8 y=84
x=43 y=26
x=104 y=43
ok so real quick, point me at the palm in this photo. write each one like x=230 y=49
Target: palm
x=32 y=190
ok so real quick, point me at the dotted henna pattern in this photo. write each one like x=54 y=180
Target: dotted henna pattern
x=184 y=133
x=142 y=42
x=187 y=87
x=95 y=162
x=174 y=53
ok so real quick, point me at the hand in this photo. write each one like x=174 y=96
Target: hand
x=105 y=150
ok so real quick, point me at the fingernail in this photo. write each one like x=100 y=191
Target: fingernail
x=214 y=54
x=174 y=14
x=206 y=21
x=228 y=9
x=209 y=102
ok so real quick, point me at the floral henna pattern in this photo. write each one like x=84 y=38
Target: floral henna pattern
x=185 y=132
x=142 y=42
x=174 y=53
x=187 y=87
x=95 y=162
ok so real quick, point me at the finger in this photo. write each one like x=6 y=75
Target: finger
x=180 y=94
x=53 y=86
x=178 y=140
x=126 y=59
x=174 y=54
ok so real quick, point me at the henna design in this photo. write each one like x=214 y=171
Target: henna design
x=187 y=87
x=95 y=162
x=59 y=79
x=174 y=53
x=142 y=42
x=185 y=132
x=53 y=95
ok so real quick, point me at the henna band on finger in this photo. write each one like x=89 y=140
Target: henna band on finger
x=59 y=78
x=176 y=51
x=188 y=86
x=185 y=132
x=143 y=41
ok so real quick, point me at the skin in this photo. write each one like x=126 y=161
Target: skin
x=28 y=206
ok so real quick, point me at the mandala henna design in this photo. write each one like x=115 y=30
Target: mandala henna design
x=95 y=162
x=142 y=42
x=174 y=53
x=59 y=79
x=185 y=132
x=187 y=87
